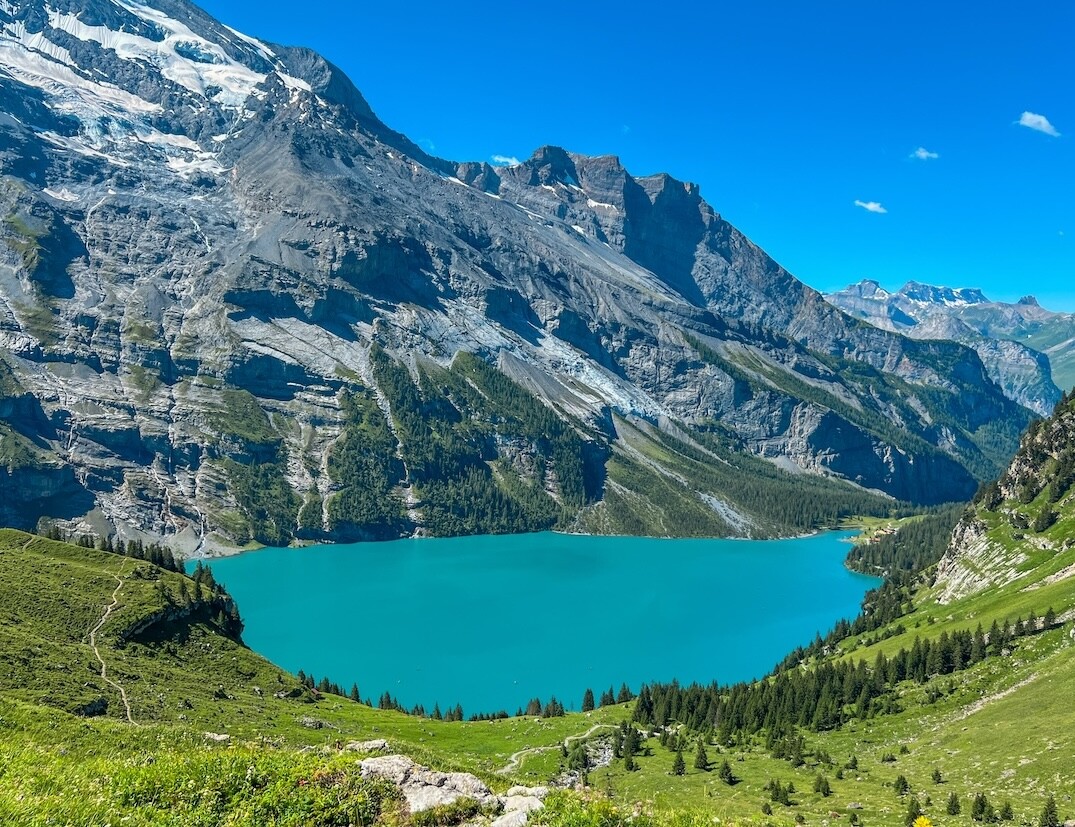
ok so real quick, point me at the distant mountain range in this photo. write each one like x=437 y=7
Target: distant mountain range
x=235 y=306
x=1028 y=350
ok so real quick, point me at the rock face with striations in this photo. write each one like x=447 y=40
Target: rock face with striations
x=215 y=262
x=1021 y=522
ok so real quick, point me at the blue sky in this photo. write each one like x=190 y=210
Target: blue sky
x=786 y=114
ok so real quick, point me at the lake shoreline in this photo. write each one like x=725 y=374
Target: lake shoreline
x=217 y=551
x=474 y=619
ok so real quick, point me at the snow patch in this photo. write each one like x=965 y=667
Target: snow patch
x=533 y=215
x=62 y=194
x=293 y=83
x=73 y=93
x=36 y=41
x=595 y=204
x=152 y=136
x=252 y=41
x=187 y=167
x=183 y=57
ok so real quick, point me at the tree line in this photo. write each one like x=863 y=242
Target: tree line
x=155 y=553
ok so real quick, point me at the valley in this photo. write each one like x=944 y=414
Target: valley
x=962 y=714
x=345 y=484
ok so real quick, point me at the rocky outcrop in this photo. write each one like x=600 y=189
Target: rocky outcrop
x=424 y=789
x=973 y=561
x=196 y=265
x=1017 y=517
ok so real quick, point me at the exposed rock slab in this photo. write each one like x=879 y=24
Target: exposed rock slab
x=424 y=788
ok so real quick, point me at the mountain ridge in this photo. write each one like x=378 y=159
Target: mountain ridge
x=1022 y=344
x=207 y=246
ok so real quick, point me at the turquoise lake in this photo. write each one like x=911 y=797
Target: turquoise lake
x=490 y=622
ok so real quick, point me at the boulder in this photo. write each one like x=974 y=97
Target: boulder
x=424 y=788
x=516 y=818
x=522 y=803
x=374 y=745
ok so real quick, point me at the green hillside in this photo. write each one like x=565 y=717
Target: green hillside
x=218 y=733
x=127 y=696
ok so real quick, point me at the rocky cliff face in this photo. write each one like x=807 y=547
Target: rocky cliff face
x=215 y=261
x=1023 y=520
x=1023 y=346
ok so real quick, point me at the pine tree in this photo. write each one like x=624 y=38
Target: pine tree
x=821 y=785
x=1006 y=812
x=901 y=785
x=1049 y=815
x=953 y=808
x=914 y=810
x=725 y=773
x=625 y=694
x=578 y=759
x=679 y=766
x=354 y=696
x=980 y=807
x=937 y=777
x=701 y=759
x=587 y=700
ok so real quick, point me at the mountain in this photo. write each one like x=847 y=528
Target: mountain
x=235 y=306
x=1024 y=347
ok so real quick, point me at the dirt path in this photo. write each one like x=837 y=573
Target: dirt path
x=982 y=703
x=517 y=757
x=93 y=644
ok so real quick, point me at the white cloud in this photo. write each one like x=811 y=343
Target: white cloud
x=1038 y=122
x=923 y=154
x=870 y=206
x=506 y=161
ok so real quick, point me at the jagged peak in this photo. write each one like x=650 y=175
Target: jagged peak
x=917 y=291
x=866 y=288
x=662 y=182
x=551 y=165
